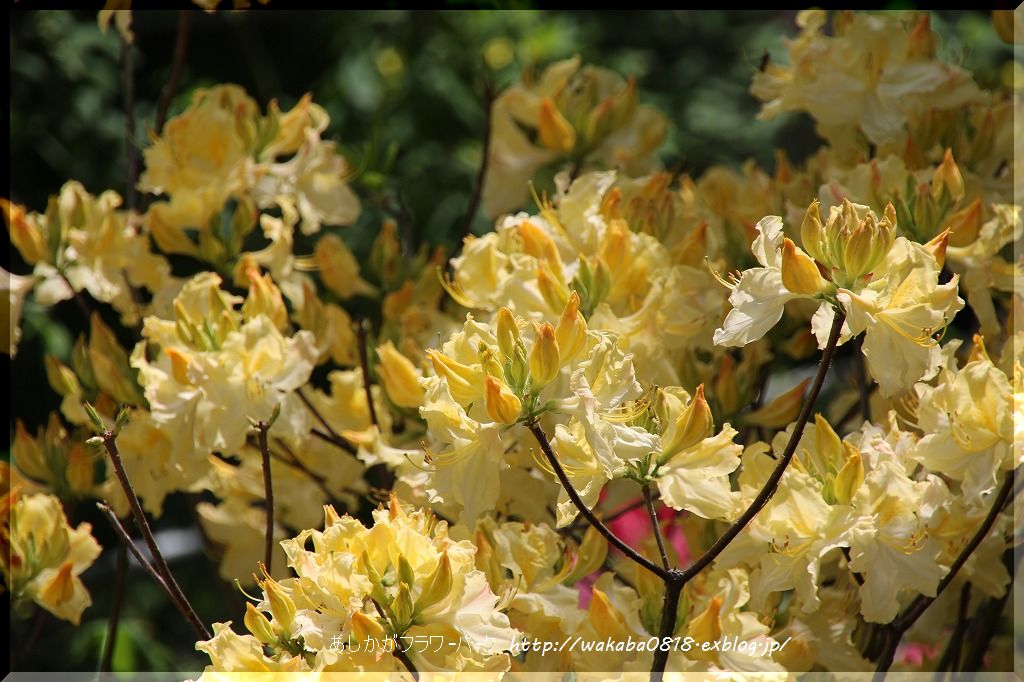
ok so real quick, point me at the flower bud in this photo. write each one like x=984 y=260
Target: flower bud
x=964 y=225
x=281 y=605
x=537 y=243
x=439 y=585
x=799 y=273
x=692 y=425
x=507 y=332
x=365 y=628
x=781 y=411
x=571 y=332
x=25 y=233
x=259 y=625
x=850 y=477
x=937 y=247
x=811 y=233
x=947 y=176
x=60 y=377
x=463 y=381
x=502 y=405
x=402 y=607
x=400 y=377
x=551 y=286
x=554 y=131
x=264 y=299
x=544 y=356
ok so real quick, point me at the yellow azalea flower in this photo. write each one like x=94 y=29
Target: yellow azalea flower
x=91 y=246
x=239 y=530
x=584 y=114
x=899 y=311
x=235 y=370
x=983 y=272
x=870 y=74
x=697 y=477
x=760 y=295
x=967 y=419
x=204 y=150
x=408 y=565
x=46 y=556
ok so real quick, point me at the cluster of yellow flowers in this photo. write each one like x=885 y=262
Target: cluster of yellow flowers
x=616 y=345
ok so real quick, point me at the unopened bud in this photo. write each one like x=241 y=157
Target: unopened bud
x=502 y=405
x=554 y=131
x=544 y=357
x=799 y=273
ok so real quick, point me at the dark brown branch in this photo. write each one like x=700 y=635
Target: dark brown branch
x=655 y=526
x=268 y=493
x=916 y=608
x=331 y=436
x=673 y=589
x=176 y=597
x=563 y=478
x=177 y=66
x=159 y=562
x=772 y=484
x=338 y=442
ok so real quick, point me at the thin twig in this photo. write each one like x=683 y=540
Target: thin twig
x=159 y=562
x=177 y=66
x=653 y=514
x=338 y=442
x=481 y=173
x=772 y=484
x=364 y=363
x=294 y=462
x=563 y=478
x=905 y=620
x=177 y=599
x=268 y=492
x=331 y=436
x=397 y=651
x=120 y=579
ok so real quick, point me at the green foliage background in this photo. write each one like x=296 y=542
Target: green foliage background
x=407 y=83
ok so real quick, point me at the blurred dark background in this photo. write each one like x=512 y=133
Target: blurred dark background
x=411 y=80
